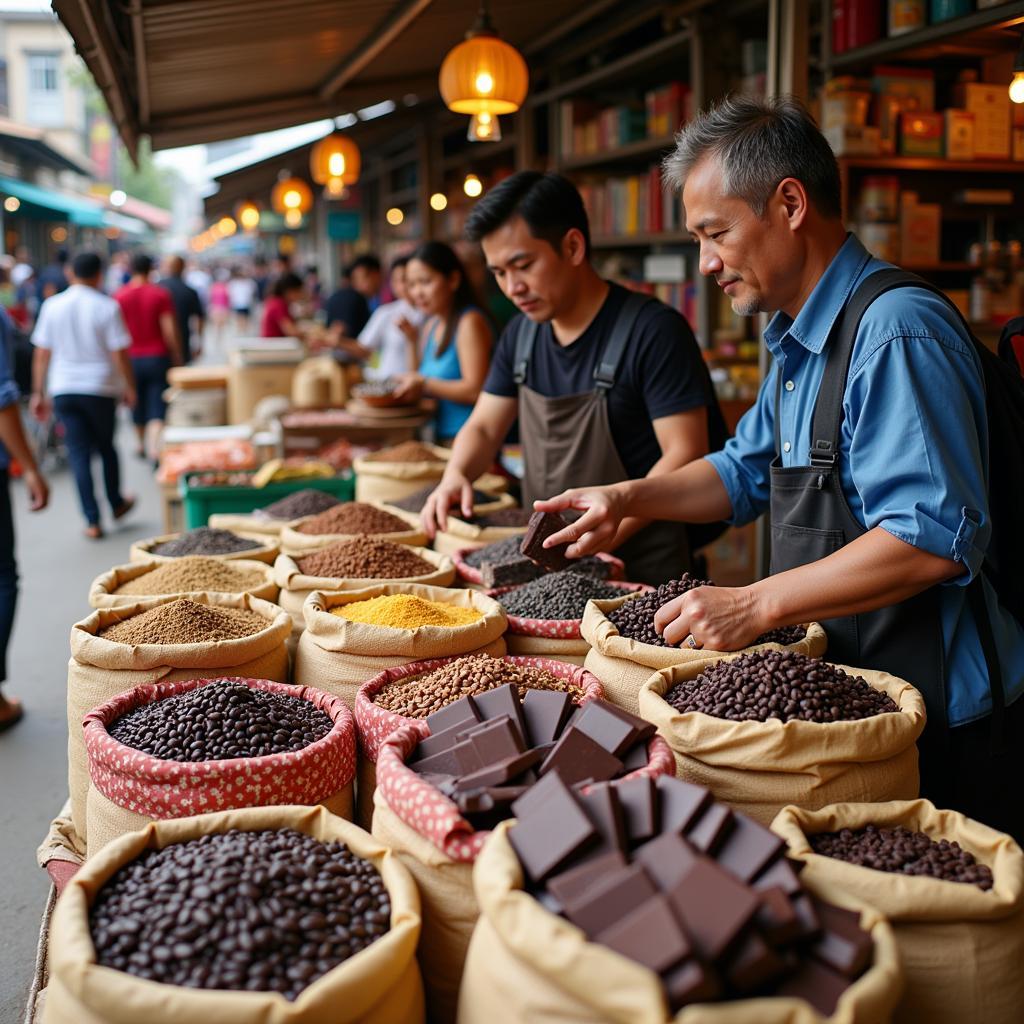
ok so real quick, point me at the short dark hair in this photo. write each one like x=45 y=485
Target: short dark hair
x=86 y=266
x=142 y=263
x=398 y=262
x=286 y=283
x=549 y=204
x=367 y=261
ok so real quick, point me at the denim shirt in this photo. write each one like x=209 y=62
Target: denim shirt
x=913 y=450
x=9 y=393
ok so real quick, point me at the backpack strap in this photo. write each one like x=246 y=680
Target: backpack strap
x=607 y=366
x=526 y=338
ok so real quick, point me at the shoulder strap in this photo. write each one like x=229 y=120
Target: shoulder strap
x=607 y=366
x=526 y=338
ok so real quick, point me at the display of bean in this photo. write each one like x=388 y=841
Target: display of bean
x=903 y=852
x=557 y=595
x=407 y=451
x=267 y=911
x=366 y=559
x=508 y=550
x=193 y=573
x=307 y=502
x=635 y=618
x=222 y=719
x=414 y=502
x=355 y=517
x=205 y=540
x=783 y=685
x=476 y=673
x=185 y=622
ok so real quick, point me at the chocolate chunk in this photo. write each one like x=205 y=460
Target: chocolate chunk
x=479 y=801
x=602 y=806
x=844 y=945
x=749 y=848
x=639 y=801
x=545 y=713
x=689 y=983
x=613 y=898
x=541 y=526
x=782 y=873
x=576 y=757
x=435 y=743
x=666 y=859
x=462 y=712
x=753 y=964
x=713 y=906
x=495 y=739
x=498 y=773
x=807 y=915
x=459 y=759
x=555 y=830
x=777 y=918
x=680 y=803
x=816 y=984
x=650 y=935
x=617 y=731
x=710 y=831
x=572 y=884
x=509 y=573
x=635 y=758
x=503 y=700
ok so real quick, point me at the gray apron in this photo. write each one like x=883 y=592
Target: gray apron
x=567 y=442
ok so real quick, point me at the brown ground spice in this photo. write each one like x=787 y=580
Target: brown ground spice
x=365 y=559
x=407 y=451
x=193 y=573
x=185 y=622
x=355 y=517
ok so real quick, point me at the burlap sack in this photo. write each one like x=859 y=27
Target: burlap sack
x=439 y=846
x=298 y=544
x=495 y=503
x=101 y=669
x=142 y=550
x=102 y=591
x=962 y=949
x=339 y=655
x=527 y=964
x=295 y=586
x=249 y=524
x=379 y=985
x=469 y=575
x=129 y=788
x=759 y=767
x=623 y=666
x=460 y=535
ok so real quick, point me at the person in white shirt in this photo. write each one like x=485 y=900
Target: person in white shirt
x=393 y=331
x=82 y=356
x=242 y=295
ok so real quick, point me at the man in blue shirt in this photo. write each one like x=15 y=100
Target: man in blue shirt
x=884 y=547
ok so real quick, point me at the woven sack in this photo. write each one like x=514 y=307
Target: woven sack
x=142 y=550
x=759 y=767
x=495 y=503
x=527 y=964
x=460 y=535
x=962 y=948
x=130 y=788
x=102 y=591
x=439 y=846
x=299 y=544
x=238 y=522
x=379 y=985
x=101 y=669
x=339 y=655
x=468 y=575
x=623 y=666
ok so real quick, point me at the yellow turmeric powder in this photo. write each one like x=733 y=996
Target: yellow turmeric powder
x=406 y=611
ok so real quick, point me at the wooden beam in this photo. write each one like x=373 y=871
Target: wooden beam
x=141 y=67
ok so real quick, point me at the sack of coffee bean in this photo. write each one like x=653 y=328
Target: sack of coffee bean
x=183 y=644
x=773 y=727
x=207 y=542
x=182 y=577
x=545 y=615
x=952 y=888
x=339 y=654
x=211 y=917
x=168 y=750
x=624 y=663
x=353 y=565
x=351 y=521
x=526 y=963
x=486 y=529
x=438 y=844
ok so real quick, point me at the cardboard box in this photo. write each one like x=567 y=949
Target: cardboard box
x=844 y=108
x=257 y=372
x=920 y=228
x=854 y=140
x=990 y=105
x=918 y=83
x=959 y=134
x=889 y=109
x=921 y=134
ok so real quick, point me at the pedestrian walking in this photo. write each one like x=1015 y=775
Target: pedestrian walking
x=81 y=361
x=242 y=295
x=188 y=308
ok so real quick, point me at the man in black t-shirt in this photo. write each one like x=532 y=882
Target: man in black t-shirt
x=652 y=410
x=348 y=308
x=188 y=308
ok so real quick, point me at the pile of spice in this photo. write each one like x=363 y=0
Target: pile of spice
x=354 y=517
x=240 y=911
x=193 y=573
x=406 y=611
x=308 y=502
x=414 y=502
x=903 y=852
x=635 y=618
x=783 y=685
x=185 y=622
x=466 y=677
x=557 y=595
x=205 y=540
x=365 y=559
x=407 y=451
x=223 y=719
x=503 y=552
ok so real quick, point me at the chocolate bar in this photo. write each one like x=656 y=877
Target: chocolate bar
x=545 y=713
x=462 y=712
x=577 y=757
x=680 y=803
x=495 y=739
x=458 y=759
x=436 y=742
x=650 y=935
x=509 y=573
x=753 y=964
x=816 y=984
x=572 y=884
x=639 y=801
x=541 y=526
x=783 y=874
x=612 y=899
x=713 y=907
x=777 y=918
x=498 y=773
x=503 y=700
x=615 y=730
x=710 y=831
x=666 y=859
x=691 y=982
x=602 y=806
x=843 y=946
x=749 y=848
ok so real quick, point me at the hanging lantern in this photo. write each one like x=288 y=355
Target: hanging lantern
x=292 y=197
x=335 y=157
x=484 y=75
x=248 y=215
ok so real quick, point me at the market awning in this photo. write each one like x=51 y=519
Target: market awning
x=37 y=145
x=57 y=205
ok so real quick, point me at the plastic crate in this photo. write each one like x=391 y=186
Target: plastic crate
x=202 y=502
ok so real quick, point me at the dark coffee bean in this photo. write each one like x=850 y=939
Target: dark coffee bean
x=204 y=541
x=307 y=502
x=557 y=595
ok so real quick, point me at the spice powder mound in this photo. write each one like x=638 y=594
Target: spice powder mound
x=193 y=573
x=185 y=622
x=353 y=517
x=365 y=559
x=406 y=611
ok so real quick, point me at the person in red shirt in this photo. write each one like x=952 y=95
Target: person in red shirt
x=277 y=316
x=148 y=311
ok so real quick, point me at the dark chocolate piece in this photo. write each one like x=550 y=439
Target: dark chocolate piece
x=777 y=918
x=635 y=758
x=545 y=713
x=749 y=848
x=807 y=915
x=615 y=730
x=666 y=859
x=437 y=742
x=690 y=983
x=495 y=739
x=509 y=573
x=844 y=945
x=602 y=807
x=460 y=712
x=576 y=757
x=498 y=773
x=572 y=884
x=782 y=873
x=650 y=935
x=479 y=801
x=710 y=831
x=680 y=803
x=503 y=700
x=713 y=906
x=639 y=801
x=459 y=759
x=615 y=897
x=753 y=964
x=816 y=984
x=541 y=526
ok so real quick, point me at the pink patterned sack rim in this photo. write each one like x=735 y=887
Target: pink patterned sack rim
x=469 y=574
x=156 y=788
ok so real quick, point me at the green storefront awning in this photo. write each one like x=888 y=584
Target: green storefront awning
x=59 y=205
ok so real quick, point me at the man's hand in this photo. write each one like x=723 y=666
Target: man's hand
x=453 y=490
x=719 y=618
x=39 y=407
x=38 y=490
x=603 y=509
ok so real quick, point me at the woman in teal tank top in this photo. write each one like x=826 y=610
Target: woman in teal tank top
x=457 y=337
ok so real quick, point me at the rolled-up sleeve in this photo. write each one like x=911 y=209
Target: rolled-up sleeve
x=917 y=429
x=744 y=463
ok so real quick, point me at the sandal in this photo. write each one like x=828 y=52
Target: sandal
x=94 y=532
x=124 y=508
x=11 y=712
